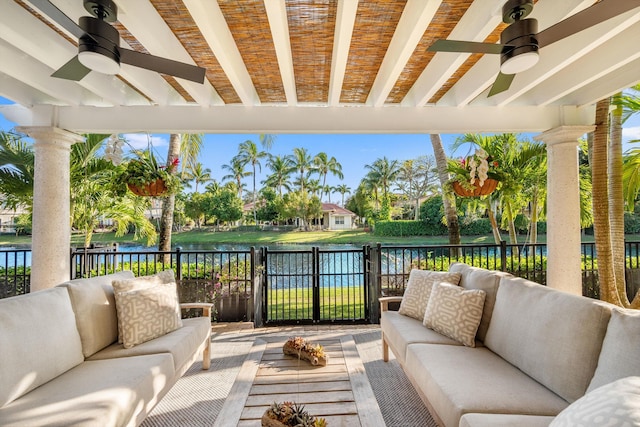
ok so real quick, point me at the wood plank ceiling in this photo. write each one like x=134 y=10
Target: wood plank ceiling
x=310 y=54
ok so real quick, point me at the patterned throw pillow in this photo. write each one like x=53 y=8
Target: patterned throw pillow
x=148 y=313
x=416 y=295
x=455 y=312
x=613 y=404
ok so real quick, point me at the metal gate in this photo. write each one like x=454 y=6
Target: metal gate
x=316 y=286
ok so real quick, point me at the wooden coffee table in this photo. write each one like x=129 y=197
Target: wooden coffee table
x=339 y=392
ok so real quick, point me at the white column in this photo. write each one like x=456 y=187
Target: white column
x=563 y=207
x=51 y=227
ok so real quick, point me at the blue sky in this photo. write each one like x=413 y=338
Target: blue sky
x=353 y=151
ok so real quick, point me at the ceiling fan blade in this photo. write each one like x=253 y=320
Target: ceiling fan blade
x=464 y=46
x=593 y=15
x=58 y=16
x=502 y=83
x=72 y=70
x=162 y=65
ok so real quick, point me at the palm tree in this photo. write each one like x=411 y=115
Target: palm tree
x=302 y=163
x=236 y=173
x=16 y=171
x=343 y=189
x=325 y=165
x=248 y=153
x=282 y=167
x=448 y=199
x=188 y=146
x=383 y=171
x=199 y=175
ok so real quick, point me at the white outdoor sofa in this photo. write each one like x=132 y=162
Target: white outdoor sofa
x=538 y=353
x=61 y=363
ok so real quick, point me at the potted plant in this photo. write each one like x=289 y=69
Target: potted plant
x=290 y=414
x=474 y=175
x=144 y=177
x=300 y=348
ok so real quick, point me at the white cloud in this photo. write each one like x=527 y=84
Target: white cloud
x=630 y=133
x=141 y=141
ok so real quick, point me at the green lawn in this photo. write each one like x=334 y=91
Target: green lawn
x=335 y=304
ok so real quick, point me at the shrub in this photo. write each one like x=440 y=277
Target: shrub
x=476 y=227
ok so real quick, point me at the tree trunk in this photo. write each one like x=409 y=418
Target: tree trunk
x=513 y=237
x=600 y=198
x=533 y=226
x=448 y=199
x=494 y=224
x=168 y=203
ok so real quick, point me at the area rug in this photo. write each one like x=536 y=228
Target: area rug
x=197 y=398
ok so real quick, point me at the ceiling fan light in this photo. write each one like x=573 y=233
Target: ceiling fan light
x=519 y=63
x=98 y=62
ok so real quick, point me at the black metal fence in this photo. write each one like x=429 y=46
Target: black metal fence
x=306 y=286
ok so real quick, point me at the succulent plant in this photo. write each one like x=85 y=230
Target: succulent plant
x=294 y=415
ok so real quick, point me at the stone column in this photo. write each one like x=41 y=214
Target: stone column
x=51 y=228
x=563 y=207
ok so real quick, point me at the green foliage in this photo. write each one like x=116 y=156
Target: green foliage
x=631 y=223
x=402 y=228
x=475 y=227
x=226 y=206
x=432 y=213
x=145 y=170
x=23 y=223
x=269 y=206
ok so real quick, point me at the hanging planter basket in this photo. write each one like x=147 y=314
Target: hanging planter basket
x=155 y=188
x=488 y=187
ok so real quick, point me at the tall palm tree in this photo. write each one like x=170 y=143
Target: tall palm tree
x=384 y=171
x=343 y=189
x=16 y=171
x=302 y=163
x=281 y=168
x=325 y=165
x=248 y=153
x=199 y=175
x=448 y=199
x=236 y=173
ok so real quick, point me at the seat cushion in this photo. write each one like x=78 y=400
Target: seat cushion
x=504 y=420
x=416 y=295
x=553 y=336
x=619 y=355
x=181 y=343
x=95 y=308
x=400 y=331
x=38 y=341
x=459 y=380
x=116 y=392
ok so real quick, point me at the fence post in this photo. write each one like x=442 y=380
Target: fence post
x=178 y=263
x=374 y=283
x=503 y=255
x=315 y=280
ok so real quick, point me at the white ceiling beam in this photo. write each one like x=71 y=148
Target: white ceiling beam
x=210 y=20
x=602 y=61
x=559 y=55
x=276 y=119
x=277 y=16
x=21 y=93
x=156 y=36
x=476 y=24
x=345 y=21
x=415 y=19
x=483 y=74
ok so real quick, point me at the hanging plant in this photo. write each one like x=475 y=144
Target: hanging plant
x=144 y=177
x=475 y=175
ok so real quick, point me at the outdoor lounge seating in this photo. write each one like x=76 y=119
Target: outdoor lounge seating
x=537 y=351
x=61 y=363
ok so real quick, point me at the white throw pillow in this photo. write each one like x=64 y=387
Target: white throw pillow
x=455 y=312
x=141 y=282
x=614 y=404
x=416 y=295
x=148 y=313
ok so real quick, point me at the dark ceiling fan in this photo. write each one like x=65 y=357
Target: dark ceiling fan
x=520 y=41
x=99 y=45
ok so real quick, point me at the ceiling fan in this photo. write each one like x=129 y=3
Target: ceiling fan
x=98 y=45
x=520 y=41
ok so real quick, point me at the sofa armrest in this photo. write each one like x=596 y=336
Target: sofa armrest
x=384 y=302
x=205 y=306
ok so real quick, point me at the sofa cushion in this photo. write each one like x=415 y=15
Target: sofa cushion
x=553 y=336
x=504 y=420
x=105 y=393
x=485 y=280
x=95 y=308
x=416 y=295
x=38 y=341
x=619 y=354
x=613 y=404
x=459 y=380
x=141 y=282
x=145 y=314
x=400 y=331
x=181 y=343
x=455 y=312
